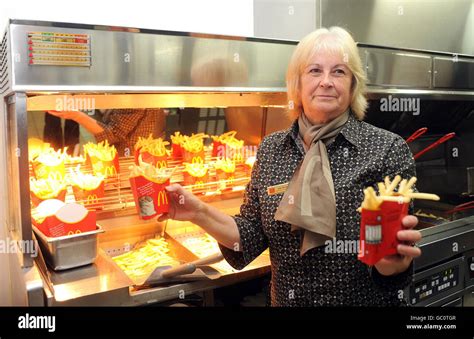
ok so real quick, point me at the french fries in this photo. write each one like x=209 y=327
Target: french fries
x=194 y=143
x=196 y=169
x=226 y=165
x=84 y=181
x=151 y=173
x=224 y=136
x=74 y=160
x=46 y=188
x=386 y=189
x=156 y=147
x=177 y=138
x=102 y=150
x=48 y=156
x=142 y=261
x=229 y=139
x=36 y=147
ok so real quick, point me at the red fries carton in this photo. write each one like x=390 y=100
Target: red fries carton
x=148 y=187
x=91 y=198
x=197 y=175
x=378 y=231
x=49 y=164
x=152 y=151
x=218 y=149
x=107 y=168
x=55 y=218
x=88 y=189
x=177 y=151
x=35 y=200
x=103 y=158
x=194 y=157
x=44 y=189
x=157 y=161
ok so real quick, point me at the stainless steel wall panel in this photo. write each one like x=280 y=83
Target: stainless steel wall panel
x=445 y=26
x=398 y=69
x=453 y=73
x=284 y=19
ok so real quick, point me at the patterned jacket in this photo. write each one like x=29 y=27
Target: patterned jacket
x=360 y=156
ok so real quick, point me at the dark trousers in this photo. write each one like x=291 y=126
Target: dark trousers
x=54 y=135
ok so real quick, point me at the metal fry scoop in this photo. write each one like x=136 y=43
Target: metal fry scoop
x=192 y=271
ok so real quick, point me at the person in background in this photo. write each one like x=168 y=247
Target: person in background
x=121 y=127
x=327 y=157
x=53 y=133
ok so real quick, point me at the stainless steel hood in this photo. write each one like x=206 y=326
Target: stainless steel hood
x=121 y=60
x=133 y=60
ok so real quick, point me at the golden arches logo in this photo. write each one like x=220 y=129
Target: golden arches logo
x=161 y=164
x=162 y=198
x=92 y=199
x=49 y=172
x=72 y=232
x=55 y=175
x=197 y=160
x=110 y=171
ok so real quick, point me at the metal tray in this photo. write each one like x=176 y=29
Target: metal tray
x=62 y=253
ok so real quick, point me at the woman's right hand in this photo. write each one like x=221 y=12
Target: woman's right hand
x=184 y=205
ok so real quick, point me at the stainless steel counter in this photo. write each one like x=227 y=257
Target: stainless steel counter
x=104 y=284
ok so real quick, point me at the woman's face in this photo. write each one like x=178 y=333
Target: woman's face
x=325 y=87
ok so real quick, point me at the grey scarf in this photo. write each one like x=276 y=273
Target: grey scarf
x=309 y=203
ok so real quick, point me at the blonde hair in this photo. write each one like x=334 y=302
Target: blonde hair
x=335 y=40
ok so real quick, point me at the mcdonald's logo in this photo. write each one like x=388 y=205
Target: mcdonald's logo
x=197 y=160
x=110 y=171
x=48 y=172
x=161 y=164
x=72 y=232
x=55 y=175
x=92 y=199
x=162 y=198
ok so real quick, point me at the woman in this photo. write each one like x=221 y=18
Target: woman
x=328 y=156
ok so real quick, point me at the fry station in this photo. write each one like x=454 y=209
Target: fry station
x=93 y=210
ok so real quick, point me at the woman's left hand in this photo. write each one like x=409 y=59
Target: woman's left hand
x=395 y=264
x=72 y=115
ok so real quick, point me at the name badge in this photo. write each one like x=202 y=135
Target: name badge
x=277 y=189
